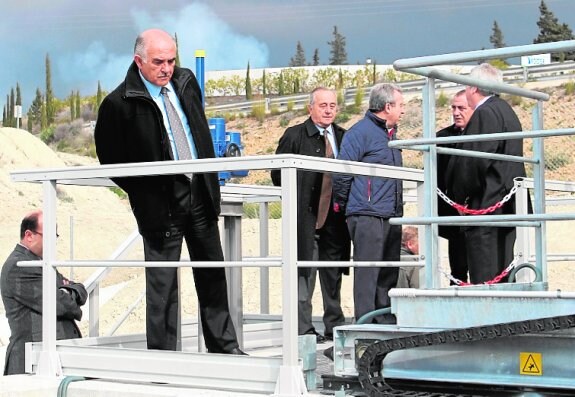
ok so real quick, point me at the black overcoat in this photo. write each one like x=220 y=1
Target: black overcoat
x=479 y=182
x=305 y=139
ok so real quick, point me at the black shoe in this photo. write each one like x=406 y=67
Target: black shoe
x=328 y=353
x=237 y=351
x=328 y=337
x=318 y=337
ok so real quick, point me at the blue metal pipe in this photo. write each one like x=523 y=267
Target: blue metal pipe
x=200 y=74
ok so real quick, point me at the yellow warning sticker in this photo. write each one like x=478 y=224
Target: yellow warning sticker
x=530 y=364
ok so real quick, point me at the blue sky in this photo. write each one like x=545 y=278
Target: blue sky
x=91 y=41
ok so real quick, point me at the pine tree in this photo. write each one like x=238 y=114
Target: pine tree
x=29 y=123
x=550 y=30
x=337 y=51
x=315 y=59
x=50 y=111
x=35 y=111
x=78 y=111
x=248 y=84
x=496 y=37
x=299 y=58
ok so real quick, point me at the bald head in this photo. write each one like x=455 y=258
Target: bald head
x=32 y=232
x=155 y=55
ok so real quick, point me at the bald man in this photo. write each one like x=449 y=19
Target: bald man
x=156 y=114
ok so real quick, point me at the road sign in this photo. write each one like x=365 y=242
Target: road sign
x=536 y=60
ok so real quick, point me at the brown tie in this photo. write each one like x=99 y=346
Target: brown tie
x=325 y=195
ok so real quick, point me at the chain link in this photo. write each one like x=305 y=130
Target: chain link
x=463 y=208
x=495 y=280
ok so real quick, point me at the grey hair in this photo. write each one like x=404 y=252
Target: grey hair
x=382 y=94
x=140 y=47
x=312 y=94
x=487 y=72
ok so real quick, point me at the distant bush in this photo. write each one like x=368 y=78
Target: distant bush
x=342 y=117
x=290 y=105
x=570 y=87
x=259 y=111
x=442 y=100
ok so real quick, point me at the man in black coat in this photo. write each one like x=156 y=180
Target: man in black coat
x=319 y=227
x=21 y=289
x=156 y=114
x=480 y=183
x=461 y=112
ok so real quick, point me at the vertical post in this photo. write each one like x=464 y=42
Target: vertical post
x=539 y=191
x=290 y=380
x=522 y=245
x=200 y=76
x=232 y=213
x=264 y=253
x=48 y=362
x=431 y=246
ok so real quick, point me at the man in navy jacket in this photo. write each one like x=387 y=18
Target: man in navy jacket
x=369 y=202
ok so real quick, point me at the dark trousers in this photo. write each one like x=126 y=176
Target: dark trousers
x=458 y=256
x=162 y=291
x=489 y=251
x=332 y=244
x=374 y=239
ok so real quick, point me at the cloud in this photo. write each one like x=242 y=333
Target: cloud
x=198 y=27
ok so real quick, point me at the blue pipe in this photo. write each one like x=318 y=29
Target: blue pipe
x=63 y=386
x=200 y=74
x=366 y=318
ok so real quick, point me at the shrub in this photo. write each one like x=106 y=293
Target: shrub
x=442 y=100
x=342 y=117
x=570 y=87
x=259 y=111
x=290 y=105
x=284 y=121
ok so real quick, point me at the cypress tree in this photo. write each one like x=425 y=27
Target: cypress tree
x=78 y=111
x=11 y=115
x=177 y=53
x=50 y=111
x=248 y=84
x=35 y=111
x=99 y=97
x=264 y=83
x=71 y=103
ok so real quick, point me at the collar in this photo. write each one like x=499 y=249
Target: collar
x=481 y=102
x=154 y=90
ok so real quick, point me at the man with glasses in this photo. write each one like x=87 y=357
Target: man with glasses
x=21 y=289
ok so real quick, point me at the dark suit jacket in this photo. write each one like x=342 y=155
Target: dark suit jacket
x=444 y=209
x=130 y=129
x=305 y=139
x=22 y=296
x=483 y=182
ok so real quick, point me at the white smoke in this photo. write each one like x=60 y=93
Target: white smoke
x=196 y=26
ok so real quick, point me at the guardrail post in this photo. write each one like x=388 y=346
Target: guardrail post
x=290 y=380
x=49 y=362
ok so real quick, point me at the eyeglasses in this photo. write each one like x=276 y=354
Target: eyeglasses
x=42 y=234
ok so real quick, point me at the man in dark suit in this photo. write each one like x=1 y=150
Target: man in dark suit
x=480 y=183
x=21 y=289
x=461 y=112
x=319 y=227
x=156 y=114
